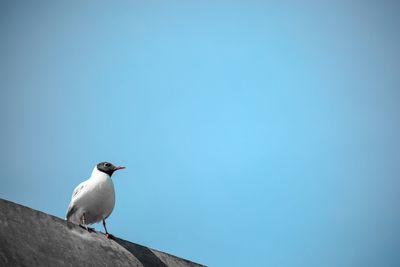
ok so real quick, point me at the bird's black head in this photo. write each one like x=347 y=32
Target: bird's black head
x=108 y=167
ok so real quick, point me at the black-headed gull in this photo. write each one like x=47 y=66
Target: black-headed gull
x=93 y=200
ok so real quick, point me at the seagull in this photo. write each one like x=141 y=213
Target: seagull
x=93 y=200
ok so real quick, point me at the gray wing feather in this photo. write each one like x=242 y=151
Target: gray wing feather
x=72 y=208
x=70 y=212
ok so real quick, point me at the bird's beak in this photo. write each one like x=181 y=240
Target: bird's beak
x=119 y=168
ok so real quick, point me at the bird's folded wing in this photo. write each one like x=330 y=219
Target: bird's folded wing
x=78 y=189
x=75 y=195
x=71 y=210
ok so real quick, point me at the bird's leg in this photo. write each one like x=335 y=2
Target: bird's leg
x=109 y=236
x=104 y=225
x=83 y=222
x=84 y=226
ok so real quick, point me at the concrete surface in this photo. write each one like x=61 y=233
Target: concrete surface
x=32 y=238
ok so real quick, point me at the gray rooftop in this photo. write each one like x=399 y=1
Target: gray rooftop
x=32 y=238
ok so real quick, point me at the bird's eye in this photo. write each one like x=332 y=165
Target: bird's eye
x=106 y=164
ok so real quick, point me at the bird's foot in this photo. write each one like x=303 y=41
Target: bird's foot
x=109 y=236
x=89 y=229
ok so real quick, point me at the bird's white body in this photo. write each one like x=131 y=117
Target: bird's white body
x=93 y=199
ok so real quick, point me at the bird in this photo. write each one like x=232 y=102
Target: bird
x=93 y=200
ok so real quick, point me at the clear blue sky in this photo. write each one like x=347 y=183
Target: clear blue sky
x=254 y=133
